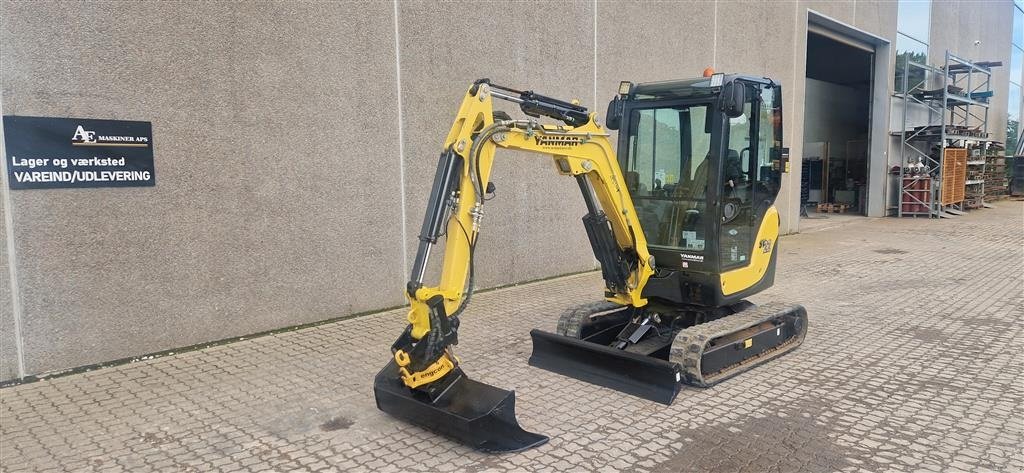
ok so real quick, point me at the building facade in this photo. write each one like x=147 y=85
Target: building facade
x=294 y=145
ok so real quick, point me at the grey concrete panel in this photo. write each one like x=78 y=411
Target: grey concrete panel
x=844 y=11
x=647 y=41
x=762 y=41
x=977 y=31
x=532 y=228
x=971 y=23
x=757 y=41
x=877 y=17
x=994 y=31
x=944 y=32
x=277 y=197
x=8 y=346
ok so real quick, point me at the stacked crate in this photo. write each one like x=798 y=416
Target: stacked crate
x=974 y=194
x=995 y=176
x=833 y=208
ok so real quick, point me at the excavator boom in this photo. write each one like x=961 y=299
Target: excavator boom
x=424 y=383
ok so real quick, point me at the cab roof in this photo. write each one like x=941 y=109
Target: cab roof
x=687 y=88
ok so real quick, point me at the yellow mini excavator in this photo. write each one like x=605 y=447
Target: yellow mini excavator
x=682 y=223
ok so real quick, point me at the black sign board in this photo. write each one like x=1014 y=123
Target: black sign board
x=49 y=153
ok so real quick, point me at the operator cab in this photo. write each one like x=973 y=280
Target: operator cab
x=702 y=159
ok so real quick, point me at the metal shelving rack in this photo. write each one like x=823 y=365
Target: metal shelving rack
x=957 y=118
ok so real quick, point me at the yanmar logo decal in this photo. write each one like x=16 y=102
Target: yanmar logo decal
x=692 y=258
x=83 y=137
x=560 y=141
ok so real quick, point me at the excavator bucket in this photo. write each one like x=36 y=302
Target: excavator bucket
x=641 y=375
x=473 y=413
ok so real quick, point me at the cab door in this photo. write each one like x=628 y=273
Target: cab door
x=750 y=173
x=668 y=167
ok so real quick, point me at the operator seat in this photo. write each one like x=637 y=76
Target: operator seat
x=732 y=170
x=684 y=212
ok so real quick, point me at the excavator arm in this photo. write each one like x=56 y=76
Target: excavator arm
x=456 y=209
x=423 y=356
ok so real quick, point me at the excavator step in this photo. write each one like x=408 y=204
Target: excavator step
x=468 y=411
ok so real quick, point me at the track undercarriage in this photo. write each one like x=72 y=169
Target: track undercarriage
x=650 y=352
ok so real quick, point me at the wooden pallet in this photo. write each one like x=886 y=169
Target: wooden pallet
x=954 y=176
x=833 y=208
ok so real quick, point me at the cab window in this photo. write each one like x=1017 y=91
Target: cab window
x=667 y=171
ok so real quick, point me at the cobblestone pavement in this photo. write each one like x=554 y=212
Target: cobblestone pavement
x=912 y=363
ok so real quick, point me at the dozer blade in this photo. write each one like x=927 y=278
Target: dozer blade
x=632 y=373
x=476 y=414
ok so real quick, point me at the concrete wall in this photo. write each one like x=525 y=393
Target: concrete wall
x=532 y=228
x=9 y=351
x=276 y=151
x=968 y=29
x=295 y=142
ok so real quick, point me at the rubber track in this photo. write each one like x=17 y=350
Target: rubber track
x=689 y=345
x=571 y=321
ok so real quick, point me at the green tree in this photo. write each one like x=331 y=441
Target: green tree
x=917 y=74
x=1012 y=135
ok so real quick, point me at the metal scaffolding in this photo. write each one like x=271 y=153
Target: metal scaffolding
x=955 y=98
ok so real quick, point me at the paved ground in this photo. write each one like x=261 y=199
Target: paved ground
x=913 y=361
x=816 y=221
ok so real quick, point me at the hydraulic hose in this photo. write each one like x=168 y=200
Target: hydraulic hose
x=474 y=155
